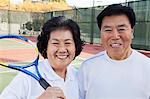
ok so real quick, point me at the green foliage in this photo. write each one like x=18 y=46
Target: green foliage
x=37 y=24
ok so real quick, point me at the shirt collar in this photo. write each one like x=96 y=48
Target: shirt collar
x=119 y=61
x=50 y=74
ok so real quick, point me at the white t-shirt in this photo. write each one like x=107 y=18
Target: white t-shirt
x=103 y=78
x=26 y=87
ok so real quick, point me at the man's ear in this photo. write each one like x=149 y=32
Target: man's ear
x=132 y=34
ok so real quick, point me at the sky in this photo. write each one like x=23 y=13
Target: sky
x=90 y=3
x=83 y=3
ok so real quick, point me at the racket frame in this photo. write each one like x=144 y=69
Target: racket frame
x=23 y=68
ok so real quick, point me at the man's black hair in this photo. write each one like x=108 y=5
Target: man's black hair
x=117 y=9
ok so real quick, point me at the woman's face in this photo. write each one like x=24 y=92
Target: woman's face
x=60 y=49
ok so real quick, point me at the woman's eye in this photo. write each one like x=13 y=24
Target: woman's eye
x=67 y=43
x=55 y=43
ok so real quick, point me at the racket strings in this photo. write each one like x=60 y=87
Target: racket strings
x=8 y=60
x=15 y=51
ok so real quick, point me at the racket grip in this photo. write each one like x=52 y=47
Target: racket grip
x=44 y=83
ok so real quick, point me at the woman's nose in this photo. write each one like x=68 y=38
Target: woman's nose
x=62 y=48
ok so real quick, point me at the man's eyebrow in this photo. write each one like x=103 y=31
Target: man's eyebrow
x=122 y=25
x=106 y=26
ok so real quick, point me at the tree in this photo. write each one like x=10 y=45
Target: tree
x=28 y=25
x=37 y=24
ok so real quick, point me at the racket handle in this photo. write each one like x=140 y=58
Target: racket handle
x=44 y=83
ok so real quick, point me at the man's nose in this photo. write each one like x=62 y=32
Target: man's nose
x=116 y=34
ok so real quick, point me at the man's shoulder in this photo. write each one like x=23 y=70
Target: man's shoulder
x=141 y=56
x=98 y=55
x=92 y=61
x=94 y=58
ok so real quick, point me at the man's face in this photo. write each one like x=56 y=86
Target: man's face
x=116 y=36
x=61 y=49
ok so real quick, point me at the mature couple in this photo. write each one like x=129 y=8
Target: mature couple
x=119 y=72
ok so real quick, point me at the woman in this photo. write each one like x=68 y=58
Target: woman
x=59 y=43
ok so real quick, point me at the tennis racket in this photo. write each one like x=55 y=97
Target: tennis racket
x=19 y=53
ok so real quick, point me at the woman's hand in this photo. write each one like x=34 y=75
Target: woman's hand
x=52 y=93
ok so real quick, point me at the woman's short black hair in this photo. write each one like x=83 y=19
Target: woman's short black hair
x=57 y=23
x=117 y=9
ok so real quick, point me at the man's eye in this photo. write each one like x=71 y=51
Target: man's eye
x=107 y=30
x=121 y=30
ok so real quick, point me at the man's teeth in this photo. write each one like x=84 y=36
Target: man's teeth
x=115 y=45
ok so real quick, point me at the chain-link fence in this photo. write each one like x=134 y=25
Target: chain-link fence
x=12 y=22
x=30 y=23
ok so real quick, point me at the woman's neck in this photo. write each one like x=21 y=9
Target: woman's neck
x=61 y=72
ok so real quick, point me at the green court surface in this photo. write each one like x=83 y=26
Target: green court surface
x=6 y=77
x=77 y=62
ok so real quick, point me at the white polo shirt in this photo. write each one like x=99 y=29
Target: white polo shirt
x=26 y=87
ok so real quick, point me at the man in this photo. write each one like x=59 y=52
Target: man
x=119 y=72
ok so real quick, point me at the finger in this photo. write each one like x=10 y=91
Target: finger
x=60 y=93
x=53 y=89
x=57 y=90
x=62 y=97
